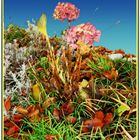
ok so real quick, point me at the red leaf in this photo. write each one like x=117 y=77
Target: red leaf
x=39 y=108
x=71 y=119
x=16 y=135
x=12 y=130
x=97 y=123
x=66 y=108
x=7 y=103
x=99 y=115
x=87 y=126
x=17 y=118
x=108 y=118
x=8 y=124
x=23 y=92
x=5 y=133
x=29 y=108
x=5 y=118
x=56 y=114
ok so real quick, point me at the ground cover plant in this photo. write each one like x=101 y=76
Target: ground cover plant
x=64 y=87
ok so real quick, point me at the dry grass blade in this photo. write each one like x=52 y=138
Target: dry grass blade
x=127 y=134
x=121 y=103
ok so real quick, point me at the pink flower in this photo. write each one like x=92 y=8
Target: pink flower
x=97 y=35
x=66 y=11
x=86 y=33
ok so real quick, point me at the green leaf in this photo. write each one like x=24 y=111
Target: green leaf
x=44 y=62
x=122 y=108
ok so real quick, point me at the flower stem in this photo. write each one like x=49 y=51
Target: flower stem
x=68 y=24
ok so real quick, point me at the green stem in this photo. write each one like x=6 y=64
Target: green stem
x=68 y=24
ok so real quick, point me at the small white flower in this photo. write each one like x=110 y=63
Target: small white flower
x=14 y=110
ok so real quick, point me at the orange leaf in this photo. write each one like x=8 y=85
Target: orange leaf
x=35 y=118
x=34 y=113
x=113 y=74
x=71 y=119
x=99 y=115
x=51 y=137
x=108 y=118
x=48 y=102
x=119 y=51
x=56 y=114
x=7 y=103
x=12 y=130
x=107 y=74
x=39 y=69
x=22 y=110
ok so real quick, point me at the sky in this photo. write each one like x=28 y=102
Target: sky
x=116 y=19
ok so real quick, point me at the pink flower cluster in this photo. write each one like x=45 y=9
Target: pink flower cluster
x=85 y=33
x=66 y=11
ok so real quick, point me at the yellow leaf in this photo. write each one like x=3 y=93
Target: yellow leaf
x=83 y=47
x=83 y=94
x=84 y=83
x=36 y=92
x=42 y=24
x=42 y=27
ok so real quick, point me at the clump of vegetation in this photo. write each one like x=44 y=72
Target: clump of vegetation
x=18 y=34
x=77 y=91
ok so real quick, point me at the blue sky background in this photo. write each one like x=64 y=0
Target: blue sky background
x=115 y=18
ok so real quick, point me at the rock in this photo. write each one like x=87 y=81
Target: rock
x=132 y=59
x=115 y=56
